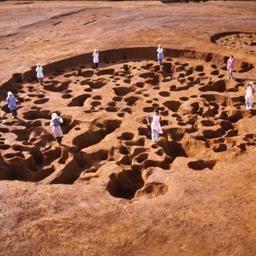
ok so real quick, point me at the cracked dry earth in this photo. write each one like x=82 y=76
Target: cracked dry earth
x=108 y=190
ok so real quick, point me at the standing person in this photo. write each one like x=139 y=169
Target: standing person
x=230 y=66
x=39 y=73
x=155 y=126
x=95 y=59
x=11 y=102
x=56 y=129
x=249 y=96
x=160 y=54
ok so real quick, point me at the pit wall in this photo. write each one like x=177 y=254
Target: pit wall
x=106 y=57
x=216 y=37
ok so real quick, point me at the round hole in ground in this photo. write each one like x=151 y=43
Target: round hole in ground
x=125 y=184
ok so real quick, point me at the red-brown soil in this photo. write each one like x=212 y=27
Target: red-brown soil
x=237 y=40
x=108 y=190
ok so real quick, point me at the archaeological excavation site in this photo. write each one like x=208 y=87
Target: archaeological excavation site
x=107 y=188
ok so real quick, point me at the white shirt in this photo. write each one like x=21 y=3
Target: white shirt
x=155 y=125
x=95 y=56
x=249 y=92
x=159 y=50
x=39 y=72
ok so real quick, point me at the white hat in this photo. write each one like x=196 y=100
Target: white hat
x=38 y=64
x=159 y=45
x=9 y=93
x=54 y=116
x=251 y=82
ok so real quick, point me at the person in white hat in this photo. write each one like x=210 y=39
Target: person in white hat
x=56 y=128
x=95 y=59
x=11 y=102
x=160 y=54
x=249 y=96
x=39 y=73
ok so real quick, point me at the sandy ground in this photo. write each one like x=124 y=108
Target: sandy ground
x=108 y=190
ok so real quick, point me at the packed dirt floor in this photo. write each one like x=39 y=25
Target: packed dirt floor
x=108 y=190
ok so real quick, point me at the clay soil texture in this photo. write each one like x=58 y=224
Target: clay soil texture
x=108 y=190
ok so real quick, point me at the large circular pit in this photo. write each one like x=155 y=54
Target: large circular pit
x=105 y=119
x=240 y=41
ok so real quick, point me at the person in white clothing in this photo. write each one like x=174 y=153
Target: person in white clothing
x=249 y=96
x=39 y=73
x=56 y=128
x=160 y=54
x=95 y=59
x=156 y=129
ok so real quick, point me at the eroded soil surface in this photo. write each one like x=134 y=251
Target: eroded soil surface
x=108 y=190
x=240 y=41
